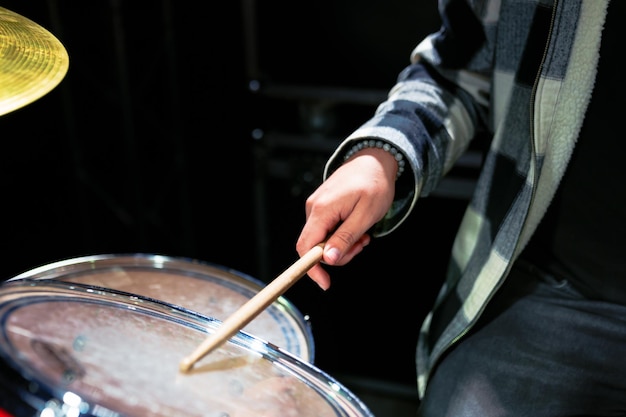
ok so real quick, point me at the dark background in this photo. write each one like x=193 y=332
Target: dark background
x=197 y=129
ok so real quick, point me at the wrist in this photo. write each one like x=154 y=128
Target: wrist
x=379 y=144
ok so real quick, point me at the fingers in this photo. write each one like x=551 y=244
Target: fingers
x=341 y=224
x=320 y=277
x=343 y=209
x=347 y=241
x=335 y=256
x=342 y=244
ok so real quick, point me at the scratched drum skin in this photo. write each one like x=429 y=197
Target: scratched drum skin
x=72 y=350
x=206 y=288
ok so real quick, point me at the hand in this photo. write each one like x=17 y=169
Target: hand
x=345 y=207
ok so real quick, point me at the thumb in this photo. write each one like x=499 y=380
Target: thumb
x=341 y=248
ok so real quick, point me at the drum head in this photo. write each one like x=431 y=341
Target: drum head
x=205 y=288
x=103 y=352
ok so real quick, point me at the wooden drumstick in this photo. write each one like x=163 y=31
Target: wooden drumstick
x=254 y=306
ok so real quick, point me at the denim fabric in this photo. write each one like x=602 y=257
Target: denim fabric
x=539 y=349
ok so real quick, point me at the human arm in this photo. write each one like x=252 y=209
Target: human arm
x=431 y=115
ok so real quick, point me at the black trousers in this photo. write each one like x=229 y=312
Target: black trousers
x=540 y=349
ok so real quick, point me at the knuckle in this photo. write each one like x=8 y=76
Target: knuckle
x=345 y=236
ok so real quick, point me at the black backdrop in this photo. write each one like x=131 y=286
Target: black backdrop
x=125 y=154
x=145 y=146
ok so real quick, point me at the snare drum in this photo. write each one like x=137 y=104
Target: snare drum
x=205 y=288
x=70 y=349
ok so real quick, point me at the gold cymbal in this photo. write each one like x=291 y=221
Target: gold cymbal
x=32 y=61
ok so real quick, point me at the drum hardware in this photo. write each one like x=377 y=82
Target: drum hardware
x=32 y=61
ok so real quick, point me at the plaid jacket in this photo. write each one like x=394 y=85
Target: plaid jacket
x=522 y=72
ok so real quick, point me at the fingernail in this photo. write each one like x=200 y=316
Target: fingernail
x=332 y=255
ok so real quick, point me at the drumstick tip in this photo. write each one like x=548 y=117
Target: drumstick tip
x=185 y=365
x=255 y=305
